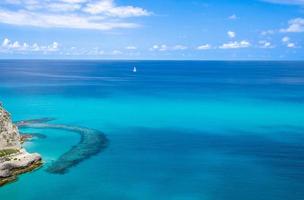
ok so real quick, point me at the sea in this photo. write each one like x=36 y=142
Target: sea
x=176 y=130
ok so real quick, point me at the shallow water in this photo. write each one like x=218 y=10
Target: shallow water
x=176 y=130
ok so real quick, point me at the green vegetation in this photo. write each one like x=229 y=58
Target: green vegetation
x=7 y=152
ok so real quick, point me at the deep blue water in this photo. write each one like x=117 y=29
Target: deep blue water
x=180 y=130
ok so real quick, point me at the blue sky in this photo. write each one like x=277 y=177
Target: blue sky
x=152 y=29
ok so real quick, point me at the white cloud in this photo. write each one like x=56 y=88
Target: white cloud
x=233 y=17
x=25 y=45
x=15 y=45
x=204 y=47
x=295 y=26
x=131 y=48
x=285 y=39
x=265 y=44
x=179 y=47
x=22 y=18
x=108 y=7
x=288 y=43
x=53 y=47
x=10 y=46
x=154 y=47
x=235 y=45
x=35 y=47
x=76 y=14
x=287 y=2
x=231 y=34
x=291 y=45
x=95 y=52
x=6 y=42
x=267 y=32
x=63 y=7
x=74 y=1
x=165 y=47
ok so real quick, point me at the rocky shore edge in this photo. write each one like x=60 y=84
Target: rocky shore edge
x=14 y=159
x=18 y=163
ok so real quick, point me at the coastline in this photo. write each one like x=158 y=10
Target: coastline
x=21 y=170
x=14 y=159
x=16 y=164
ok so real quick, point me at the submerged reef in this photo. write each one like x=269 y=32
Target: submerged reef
x=15 y=160
x=91 y=143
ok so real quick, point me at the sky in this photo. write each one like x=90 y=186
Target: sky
x=152 y=29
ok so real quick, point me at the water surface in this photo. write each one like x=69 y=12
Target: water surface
x=177 y=130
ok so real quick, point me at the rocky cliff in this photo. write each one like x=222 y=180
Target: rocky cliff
x=9 y=135
x=14 y=159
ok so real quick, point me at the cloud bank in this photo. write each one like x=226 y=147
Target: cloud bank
x=235 y=45
x=295 y=26
x=9 y=46
x=287 y=2
x=76 y=14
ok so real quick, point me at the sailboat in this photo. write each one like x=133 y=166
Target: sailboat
x=134 y=70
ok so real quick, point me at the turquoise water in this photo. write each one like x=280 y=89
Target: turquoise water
x=176 y=130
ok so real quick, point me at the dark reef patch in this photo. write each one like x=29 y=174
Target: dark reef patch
x=39 y=135
x=28 y=123
x=91 y=143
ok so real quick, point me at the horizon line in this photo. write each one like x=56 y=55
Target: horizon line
x=122 y=59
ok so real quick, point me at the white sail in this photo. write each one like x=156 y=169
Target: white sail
x=134 y=69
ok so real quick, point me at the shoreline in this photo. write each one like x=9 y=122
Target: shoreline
x=14 y=159
x=13 y=165
x=18 y=171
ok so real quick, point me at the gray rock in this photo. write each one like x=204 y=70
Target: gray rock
x=12 y=156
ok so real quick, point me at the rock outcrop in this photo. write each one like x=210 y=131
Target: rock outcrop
x=9 y=135
x=14 y=159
